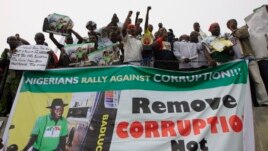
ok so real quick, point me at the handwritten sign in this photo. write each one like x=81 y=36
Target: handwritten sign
x=30 y=57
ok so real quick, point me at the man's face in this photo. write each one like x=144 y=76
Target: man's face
x=232 y=25
x=113 y=37
x=163 y=33
x=132 y=30
x=57 y=112
x=12 y=41
x=196 y=27
x=215 y=30
x=39 y=39
x=194 y=37
x=160 y=25
x=150 y=28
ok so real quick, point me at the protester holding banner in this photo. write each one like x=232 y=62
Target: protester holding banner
x=53 y=59
x=218 y=49
x=117 y=48
x=64 y=58
x=243 y=50
x=50 y=131
x=40 y=39
x=93 y=38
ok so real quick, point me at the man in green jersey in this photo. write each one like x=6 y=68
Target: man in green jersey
x=50 y=131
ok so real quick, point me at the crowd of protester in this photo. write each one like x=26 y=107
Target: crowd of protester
x=132 y=44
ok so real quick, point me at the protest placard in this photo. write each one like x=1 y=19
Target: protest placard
x=57 y=24
x=78 y=53
x=30 y=57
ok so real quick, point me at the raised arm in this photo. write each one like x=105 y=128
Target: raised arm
x=80 y=39
x=137 y=17
x=147 y=18
x=124 y=29
x=52 y=38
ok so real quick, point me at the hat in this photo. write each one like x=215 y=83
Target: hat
x=57 y=102
x=213 y=25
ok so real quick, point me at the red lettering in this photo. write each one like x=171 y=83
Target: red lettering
x=213 y=121
x=136 y=129
x=121 y=130
x=198 y=124
x=224 y=124
x=151 y=128
x=236 y=123
x=168 y=128
x=184 y=127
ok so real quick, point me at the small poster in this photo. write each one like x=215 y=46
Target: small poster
x=105 y=56
x=57 y=24
x=30 y=57
x=78 y=52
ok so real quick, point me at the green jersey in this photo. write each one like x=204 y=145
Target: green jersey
x=49 y=132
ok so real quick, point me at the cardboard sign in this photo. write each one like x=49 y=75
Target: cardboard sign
x=30 y=57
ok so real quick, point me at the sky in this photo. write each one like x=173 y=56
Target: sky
x=26 y=16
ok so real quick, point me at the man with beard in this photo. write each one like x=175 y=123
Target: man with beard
x=218 y=48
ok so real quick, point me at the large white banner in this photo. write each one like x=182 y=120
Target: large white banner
x=206 y=119
x=129 y=108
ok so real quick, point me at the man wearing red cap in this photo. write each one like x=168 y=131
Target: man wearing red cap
x=132 y=46
x=50 y=131
x=218 y=49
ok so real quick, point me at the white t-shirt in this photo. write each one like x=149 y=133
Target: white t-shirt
x=132 y=50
